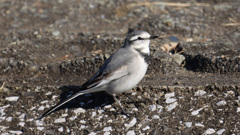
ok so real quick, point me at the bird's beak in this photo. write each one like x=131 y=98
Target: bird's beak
x=153 y=37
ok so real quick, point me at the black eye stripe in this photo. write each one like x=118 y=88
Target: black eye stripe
x=139 y=38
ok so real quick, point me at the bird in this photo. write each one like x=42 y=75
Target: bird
x=121 y=72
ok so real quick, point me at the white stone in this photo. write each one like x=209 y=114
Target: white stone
x=131 y=132
x=68 y=130
x=134 y=109
x=100 y=111
x=196 y=112
x=60 y=120
x=39 y=123
x=152 y=108
x=83 y=121
x=41 y=108
x=131 y=123
x=60 y=129
x=22 y=117
x=2 y=118
x=146 y=128
x=56 y=33
x=209 y=131
x=199 y=125
x=34 y=107
x=200 y=93
x=92 y=133
x=156 y=117
x=172 y=106
x=16 y=132
x=73 y=118
x=82 y=126
x=170 y=100
x=21 y=124
x=13 y=98
x=93 y=114
x=107 y=106
x=219 y=132
x=54 y=96
x=2 y=128
x=107 y=133
x=40 y=128
x=168 y=95
x=45 y=101
x=107 y=129
x=160 y=108
x=188 y=124
x=79 y=110
x=48 y=93
x=29 y=120
x=3 y=107
x=238 y=109
x=221 y=103
x=9 y=119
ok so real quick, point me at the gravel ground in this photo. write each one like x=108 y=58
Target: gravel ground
x=49 y=48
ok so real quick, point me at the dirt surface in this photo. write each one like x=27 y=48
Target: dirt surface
x=48 y=49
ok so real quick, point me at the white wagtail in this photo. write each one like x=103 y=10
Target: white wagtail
x=122 y=71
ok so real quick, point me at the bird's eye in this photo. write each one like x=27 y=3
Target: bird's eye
x=139 y=38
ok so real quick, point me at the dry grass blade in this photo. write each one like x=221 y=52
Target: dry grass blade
x=231 y=24
x=167 y=4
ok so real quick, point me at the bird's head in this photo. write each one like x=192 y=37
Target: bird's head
x=139 y=40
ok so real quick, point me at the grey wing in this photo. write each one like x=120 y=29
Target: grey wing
x=114 y=68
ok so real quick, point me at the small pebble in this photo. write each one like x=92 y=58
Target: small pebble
x=168 y=95
x=130 y=132
x=39 y=123
x=172 y=106
x=41 y=108
x=196 y=112
x=199 y=125
x=238 y=109
x=82 y=126
x=131 y=123
x=221 y=103
x=55 y=33
x=219 y=132
x=107 y=106
x=60 y=129
x=60 y=120
x=93 y=114
x=16 y=132
x=79 y=110
x=48 y=93
x=9 y=119
x=156 y=117
x=170 y=100
x=92 y=133
x=21 y=124
x=107 y=129
x=200 y=93
x=152 y=108
x=209 y=131
x=14 y=98
x=146 y=128
x=188 y=124
x=40 y=128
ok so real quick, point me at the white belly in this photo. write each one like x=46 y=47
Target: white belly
x=137 y=71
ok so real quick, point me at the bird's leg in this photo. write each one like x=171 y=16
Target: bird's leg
x=134 y=101
x=129 y=97
x=119 y=103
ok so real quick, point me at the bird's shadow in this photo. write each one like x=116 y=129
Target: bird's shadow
x=87 y=101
